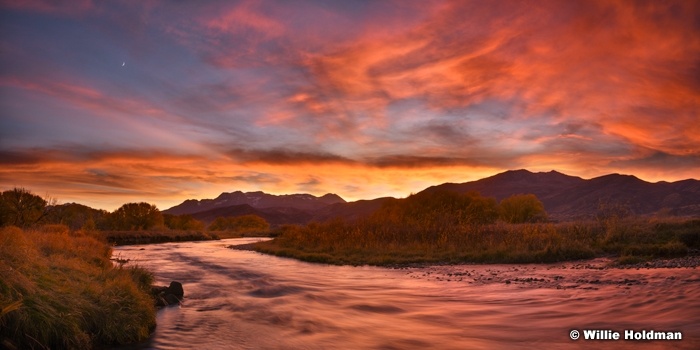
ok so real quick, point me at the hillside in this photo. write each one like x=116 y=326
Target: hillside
x=350 y=210
x=568 y=197
x=274 y=216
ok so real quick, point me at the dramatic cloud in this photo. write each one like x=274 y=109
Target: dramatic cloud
x=107 y=102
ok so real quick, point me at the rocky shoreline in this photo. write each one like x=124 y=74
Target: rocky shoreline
x=691 y=261
x=591 y=274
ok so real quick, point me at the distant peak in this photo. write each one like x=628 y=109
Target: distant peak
x=620 y=176
x=519 y=171
x=332 y=197
x=513 y=174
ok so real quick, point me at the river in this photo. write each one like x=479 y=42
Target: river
x=237 y=299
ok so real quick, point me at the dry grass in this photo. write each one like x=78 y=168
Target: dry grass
x=377 y=242
x=59 y=289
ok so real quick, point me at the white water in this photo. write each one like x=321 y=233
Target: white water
x=245 y=300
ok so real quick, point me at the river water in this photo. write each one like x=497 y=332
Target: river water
x=237 y=299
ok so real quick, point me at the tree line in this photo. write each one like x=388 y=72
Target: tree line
x=428 y=210
x=20 y=207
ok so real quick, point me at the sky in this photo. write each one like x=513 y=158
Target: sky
x=109 y=102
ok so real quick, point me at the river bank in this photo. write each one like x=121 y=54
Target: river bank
x=630 y=241
x=590 y=274
x=59 y=289
x=155 y=236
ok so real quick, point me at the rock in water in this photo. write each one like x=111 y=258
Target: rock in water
x=171 y=299
x=170 y=295
x=175 y=289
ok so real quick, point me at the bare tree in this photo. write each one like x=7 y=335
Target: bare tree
x=20 y=207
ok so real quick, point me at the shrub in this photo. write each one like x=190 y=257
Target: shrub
x=522 y=208
x=136 y=216
x=182 y=222
x=240 y=224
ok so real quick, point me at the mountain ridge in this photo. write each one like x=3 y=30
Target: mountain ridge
x=257 y=199
x=565 y=197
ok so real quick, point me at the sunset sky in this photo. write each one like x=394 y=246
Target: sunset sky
x=109 y=102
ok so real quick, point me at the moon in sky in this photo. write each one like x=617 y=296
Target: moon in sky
x=123 y=64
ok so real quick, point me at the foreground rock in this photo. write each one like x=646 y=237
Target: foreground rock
x=166 y=296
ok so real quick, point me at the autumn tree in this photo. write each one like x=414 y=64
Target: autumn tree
x=243 y=223
x=20 y=207
x=136 y=216
x=183 y=222
x=440 y=208
x=76 y=216
x=521 y=208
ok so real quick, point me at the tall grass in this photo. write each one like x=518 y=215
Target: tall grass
x=381 y=241
x=59 y=290
x=451 y=227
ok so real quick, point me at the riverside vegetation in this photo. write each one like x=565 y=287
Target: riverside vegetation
x=132 y=223
x=58 y=287
x=448 y=227
x=59 y=290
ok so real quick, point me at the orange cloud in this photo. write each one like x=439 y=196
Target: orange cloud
x=625 y=66
x=108 y=179
x=369 y=99
x=244 y=16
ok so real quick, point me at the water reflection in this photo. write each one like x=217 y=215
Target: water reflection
x=245 y=300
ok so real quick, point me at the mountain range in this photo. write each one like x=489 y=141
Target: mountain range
x=257 y=200
x=564 y=197
x=569 y=197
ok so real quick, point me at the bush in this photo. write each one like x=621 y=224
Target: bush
x=522 y=208
x=182 y=222
x=240 y=224
x=135 y=217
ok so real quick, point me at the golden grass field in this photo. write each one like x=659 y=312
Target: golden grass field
x=59 y=289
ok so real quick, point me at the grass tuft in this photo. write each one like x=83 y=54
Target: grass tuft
x=59 y=290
